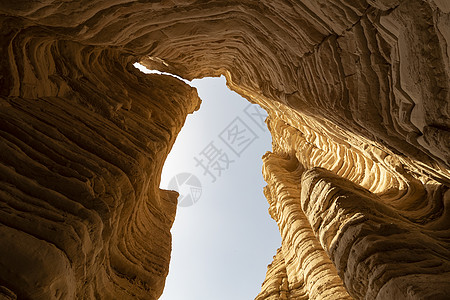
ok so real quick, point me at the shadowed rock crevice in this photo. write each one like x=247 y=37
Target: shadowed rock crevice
x=358 y=104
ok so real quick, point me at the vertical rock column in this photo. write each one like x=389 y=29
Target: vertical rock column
x=351 y=217
x=309 y=273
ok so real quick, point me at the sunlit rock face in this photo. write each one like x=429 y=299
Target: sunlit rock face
x=358 y=177
x=83 y=137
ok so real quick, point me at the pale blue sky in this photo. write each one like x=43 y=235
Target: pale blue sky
x=223 y=243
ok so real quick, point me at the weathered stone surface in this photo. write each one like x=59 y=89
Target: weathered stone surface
x=81 y=214
x=358 y=178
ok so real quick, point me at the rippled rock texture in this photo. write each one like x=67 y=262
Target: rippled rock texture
x=358 y=179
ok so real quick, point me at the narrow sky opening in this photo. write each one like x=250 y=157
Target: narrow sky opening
x=223 y=236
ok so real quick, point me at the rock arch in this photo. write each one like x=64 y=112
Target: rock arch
x=358 y=103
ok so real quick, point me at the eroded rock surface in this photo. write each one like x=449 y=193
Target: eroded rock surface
x=358 y=178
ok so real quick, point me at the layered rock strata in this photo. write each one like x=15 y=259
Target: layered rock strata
x=384 y=237
x=81 y=154
x=358 y=178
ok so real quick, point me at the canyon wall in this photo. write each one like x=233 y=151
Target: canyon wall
x=358 y=177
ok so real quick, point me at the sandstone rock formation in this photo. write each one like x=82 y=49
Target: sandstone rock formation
x=357 y=93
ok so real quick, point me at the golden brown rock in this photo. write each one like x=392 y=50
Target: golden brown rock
x=358 y=99
x=82 y=216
